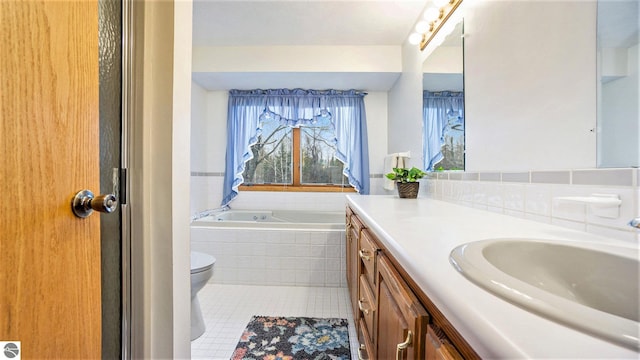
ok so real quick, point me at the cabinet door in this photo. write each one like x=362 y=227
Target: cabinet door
x=402 y=320
x=438 y=346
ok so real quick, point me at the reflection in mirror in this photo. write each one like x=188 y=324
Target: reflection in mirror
x=443 y=105
x=618 y=119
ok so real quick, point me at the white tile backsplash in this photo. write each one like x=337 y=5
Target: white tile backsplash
x=531 y=195
x=538 y=199
x=514 y=195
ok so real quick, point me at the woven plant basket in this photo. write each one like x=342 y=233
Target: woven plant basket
x=408 y=190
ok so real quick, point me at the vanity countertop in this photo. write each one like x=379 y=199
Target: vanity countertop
x=421 y=233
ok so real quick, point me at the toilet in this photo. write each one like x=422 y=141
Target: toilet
x=201 y=271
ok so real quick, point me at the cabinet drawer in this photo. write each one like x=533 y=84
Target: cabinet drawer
x=367 y=349
x=367 y=304
x=368 y=252
x=438 y=347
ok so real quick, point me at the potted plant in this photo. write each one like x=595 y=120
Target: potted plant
x=407 y=181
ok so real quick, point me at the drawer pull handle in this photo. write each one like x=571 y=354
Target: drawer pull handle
x=362 y=308
x=360 y=357
x=403 y=346
x=363 y=254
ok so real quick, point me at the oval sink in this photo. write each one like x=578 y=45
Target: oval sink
x=590 y=287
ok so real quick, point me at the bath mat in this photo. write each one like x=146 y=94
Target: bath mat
x=293 y=338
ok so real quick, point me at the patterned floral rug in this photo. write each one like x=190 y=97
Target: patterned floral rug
x=293 y=338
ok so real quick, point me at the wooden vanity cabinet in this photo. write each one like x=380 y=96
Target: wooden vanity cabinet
x=395 y=319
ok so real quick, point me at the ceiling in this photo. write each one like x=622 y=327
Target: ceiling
x=302 y=22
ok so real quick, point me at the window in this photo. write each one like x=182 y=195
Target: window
x=304 y=156
x=296 y=140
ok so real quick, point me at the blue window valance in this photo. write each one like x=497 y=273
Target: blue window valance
x=440 y=110
x=295 y=108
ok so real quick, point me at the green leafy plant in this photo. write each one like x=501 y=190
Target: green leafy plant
x=404 y=175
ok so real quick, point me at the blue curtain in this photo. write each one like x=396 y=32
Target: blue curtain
x=439 y=111
x=296 y=108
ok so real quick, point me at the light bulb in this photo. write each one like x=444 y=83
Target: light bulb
x=415 y=38
x=431 y=14
x=440 y=3
x=422 y=27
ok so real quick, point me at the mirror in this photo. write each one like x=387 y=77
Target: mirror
x=443 y=104
x=618 y=118
x=617 y=135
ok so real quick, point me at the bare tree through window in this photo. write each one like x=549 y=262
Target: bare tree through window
x=274 y=161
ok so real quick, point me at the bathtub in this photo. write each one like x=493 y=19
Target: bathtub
x=287 y=248
x=280 y=219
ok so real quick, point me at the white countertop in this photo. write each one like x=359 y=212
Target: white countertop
x=420 y=234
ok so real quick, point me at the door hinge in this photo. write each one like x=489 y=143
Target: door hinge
x=122 y=186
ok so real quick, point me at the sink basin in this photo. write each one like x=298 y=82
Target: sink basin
x=590 y=287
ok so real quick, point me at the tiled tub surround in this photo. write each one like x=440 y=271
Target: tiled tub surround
x=286 y=257
x=532 y=195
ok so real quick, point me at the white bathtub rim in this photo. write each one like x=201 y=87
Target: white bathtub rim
x=211 y=221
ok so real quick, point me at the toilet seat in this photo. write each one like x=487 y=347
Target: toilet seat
x=201 y=262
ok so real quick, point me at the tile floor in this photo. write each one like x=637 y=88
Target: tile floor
x=228 y=308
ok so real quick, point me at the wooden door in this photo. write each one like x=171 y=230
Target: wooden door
x=401 y=317
x=49 y=259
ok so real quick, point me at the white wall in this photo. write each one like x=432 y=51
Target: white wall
x=180 y=182
x=198 y=121
x=530 y=85
x=208 y=147
x=160 y=178
x=308 y=59
x=377 y=126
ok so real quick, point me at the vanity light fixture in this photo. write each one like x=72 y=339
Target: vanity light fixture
x=433 y=18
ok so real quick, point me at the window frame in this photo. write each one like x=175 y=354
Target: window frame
x=296 y=185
